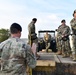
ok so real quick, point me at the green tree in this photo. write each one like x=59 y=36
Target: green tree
x=4 y=34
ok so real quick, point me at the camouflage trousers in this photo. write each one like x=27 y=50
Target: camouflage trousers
x=58 y=44
x=74 y=44
x=30 y=41
x=36 y=42
x=66 y=47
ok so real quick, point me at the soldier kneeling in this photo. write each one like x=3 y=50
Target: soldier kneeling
x=47 y=39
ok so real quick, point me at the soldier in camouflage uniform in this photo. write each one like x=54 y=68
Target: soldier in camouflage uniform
x=32 y=36
x=47 y=39
x=64 y=32
x=73 y=27
x=16 y=54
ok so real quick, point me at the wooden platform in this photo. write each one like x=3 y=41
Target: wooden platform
x=54 y=57
x=52 y=64
x=45 y=63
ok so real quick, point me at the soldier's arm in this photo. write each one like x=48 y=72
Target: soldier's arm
x=1 y=47
x=69 y=31
x=29 y=29
x=59 y=30
x=73 y=23
x=30 y=57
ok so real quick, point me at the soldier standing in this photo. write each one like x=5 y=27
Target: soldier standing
x=32 y=36
x=73 y=27
x=16 y=54
x=64 y=32
x=47 y=39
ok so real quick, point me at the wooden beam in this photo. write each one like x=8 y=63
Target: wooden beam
x=45 y=63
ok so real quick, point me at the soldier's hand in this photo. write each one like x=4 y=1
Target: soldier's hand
x=34 y=48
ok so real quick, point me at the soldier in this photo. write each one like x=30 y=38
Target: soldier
x=47 y=39
x=16 y=54
x=32 y=36
x=73 y=27
x=64 y=32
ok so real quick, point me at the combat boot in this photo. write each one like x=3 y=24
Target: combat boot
x=59 y=52
x=74 y=57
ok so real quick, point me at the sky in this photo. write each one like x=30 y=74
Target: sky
x=49 y=13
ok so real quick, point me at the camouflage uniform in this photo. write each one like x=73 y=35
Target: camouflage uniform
x=64 y=41
x=47 y=39
x=32 y=36
x=73 y=27
x=15 y=56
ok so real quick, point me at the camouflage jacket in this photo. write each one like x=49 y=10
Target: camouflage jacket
x=63 y=30
x=31 y=32
x=31 y=28
x=73 y=25
x=16 y=54
x=47 y=38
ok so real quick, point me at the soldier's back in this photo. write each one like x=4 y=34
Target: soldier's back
x=13 y=55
